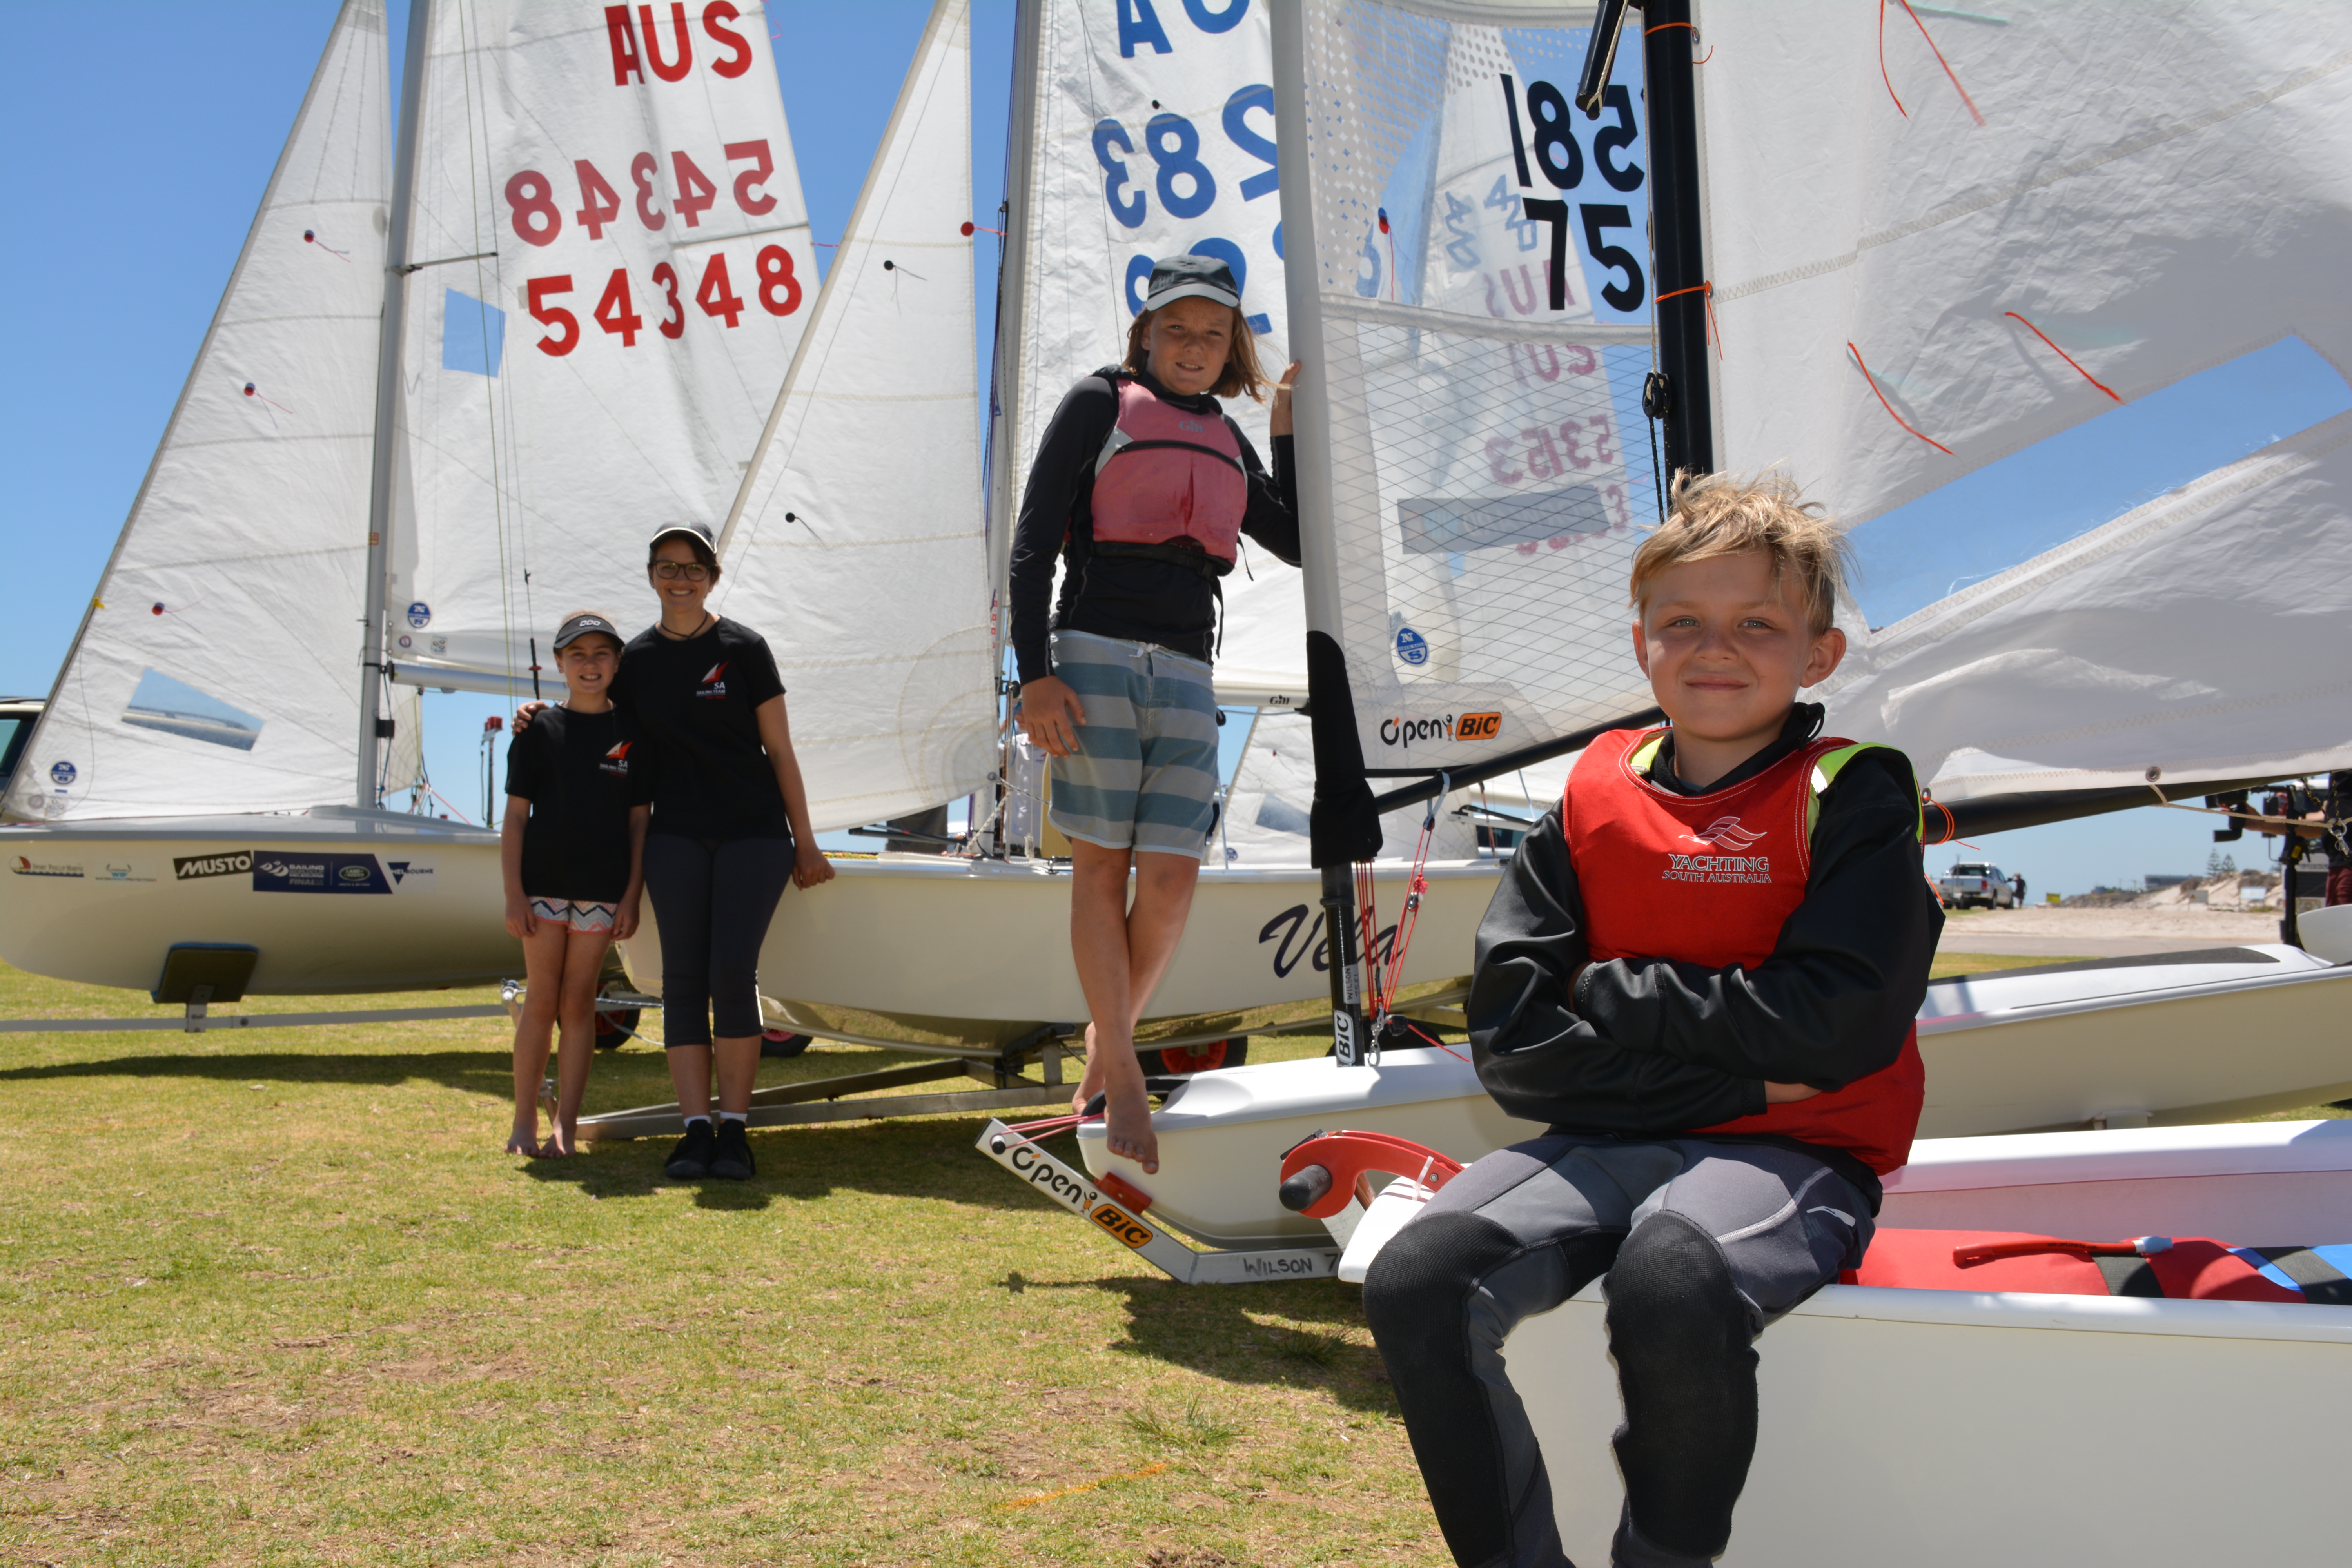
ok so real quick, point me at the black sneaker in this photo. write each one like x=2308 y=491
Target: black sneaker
x=691 y=1158
x=730 y=1154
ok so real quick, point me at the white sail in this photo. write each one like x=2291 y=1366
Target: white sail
x=1141 y=131
x=2152 y=190
x=856 y=542
x=2160 y=647
x=217 y=667
x=611 y=268
x=1467 y=455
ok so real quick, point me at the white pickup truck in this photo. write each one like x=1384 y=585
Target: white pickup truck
x=1976 y=882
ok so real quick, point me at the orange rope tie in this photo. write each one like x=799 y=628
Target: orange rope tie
x=1940 y=60
x=1890 y=407
x=2062 y=354
x=1693 y=27
x=1882 y=61
x=1708 y=289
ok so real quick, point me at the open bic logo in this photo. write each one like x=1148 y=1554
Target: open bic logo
x=1477 y=726
x=1122 y=1224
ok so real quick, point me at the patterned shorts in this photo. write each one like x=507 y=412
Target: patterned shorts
x=1144 y=774
x=576 y=914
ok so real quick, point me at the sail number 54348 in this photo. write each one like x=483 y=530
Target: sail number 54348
x=778 y=290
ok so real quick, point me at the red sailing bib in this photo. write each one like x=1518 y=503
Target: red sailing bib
x=1710 y=880
x=1168 y=474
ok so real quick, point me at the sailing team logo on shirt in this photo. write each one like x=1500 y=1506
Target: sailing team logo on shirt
x=616 y=761
x=713 y=684
x=1725 y=832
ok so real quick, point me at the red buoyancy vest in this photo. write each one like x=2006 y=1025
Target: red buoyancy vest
x=1710 y=880
x=1168 y=474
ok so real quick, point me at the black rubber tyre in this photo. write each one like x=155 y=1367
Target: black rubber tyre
x=1185 y=1060
x=776 y=1043
x=614 y=1030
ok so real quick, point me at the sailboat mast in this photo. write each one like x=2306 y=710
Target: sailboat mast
x=1680 y=302
x=387 y=396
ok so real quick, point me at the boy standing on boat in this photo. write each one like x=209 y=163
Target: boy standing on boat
x=573 y=848
x=1701 y=971
x=1143 y=490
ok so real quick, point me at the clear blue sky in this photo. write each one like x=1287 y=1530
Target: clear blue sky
x=138 y=137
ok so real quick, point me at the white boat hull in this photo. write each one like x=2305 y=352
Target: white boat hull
x=965 y=954
x=1951 y=1429
x=2140 y=1042
x=102 y=901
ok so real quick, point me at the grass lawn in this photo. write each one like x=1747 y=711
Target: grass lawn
x=277 y=1298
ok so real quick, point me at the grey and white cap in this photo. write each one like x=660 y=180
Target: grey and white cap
x=1191 y=278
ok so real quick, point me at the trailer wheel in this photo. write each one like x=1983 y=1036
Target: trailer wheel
x=774 y=1042
x=614 y=1027
x=1181 y=1059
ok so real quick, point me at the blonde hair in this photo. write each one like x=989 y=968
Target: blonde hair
x=1242 y=376
x=1715 y=515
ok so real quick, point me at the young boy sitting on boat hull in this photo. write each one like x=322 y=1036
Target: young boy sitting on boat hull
x=1701 y=971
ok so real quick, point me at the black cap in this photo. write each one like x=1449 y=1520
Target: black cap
x=700 y=530
x=1191 y=278
x=578 y=626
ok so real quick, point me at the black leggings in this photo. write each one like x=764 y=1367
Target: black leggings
x=712 y=898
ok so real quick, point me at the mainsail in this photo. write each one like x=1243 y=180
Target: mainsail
x=609 y=270
x=1933 y=250
x=218 y=668
x=1473 y=455
x=862 y=509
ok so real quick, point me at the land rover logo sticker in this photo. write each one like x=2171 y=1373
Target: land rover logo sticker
x=228 y=865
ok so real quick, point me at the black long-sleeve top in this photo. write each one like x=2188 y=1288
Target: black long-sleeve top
x=1654 y=1046
x=1135 y=599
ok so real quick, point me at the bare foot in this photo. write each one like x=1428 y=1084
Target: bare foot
x=524 y=1142
x=561 y=1143
x=1090 y=1080
x=1127 y=1131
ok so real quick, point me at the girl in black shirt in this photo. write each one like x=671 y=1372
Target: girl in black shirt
x=573 y=851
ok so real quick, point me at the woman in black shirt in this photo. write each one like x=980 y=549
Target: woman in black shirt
x=730 y=827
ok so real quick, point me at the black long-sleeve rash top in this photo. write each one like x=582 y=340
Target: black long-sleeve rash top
x=1654 y=1046
x=1134 y=599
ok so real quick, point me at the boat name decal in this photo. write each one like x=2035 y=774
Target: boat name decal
x=1287 y=927
x=187 y=867
x=24 y=868
x=1281 y=1265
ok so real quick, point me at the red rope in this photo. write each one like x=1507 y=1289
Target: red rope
x=1707 y=288
x=1940 y=60
x=2062 y=354
x=1693 y=27
x=1882 y=61
x=1890 y=407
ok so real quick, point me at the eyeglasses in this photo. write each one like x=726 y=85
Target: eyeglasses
x=669 y=570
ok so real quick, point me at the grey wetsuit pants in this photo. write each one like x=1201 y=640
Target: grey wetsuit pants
x=1702 y=1242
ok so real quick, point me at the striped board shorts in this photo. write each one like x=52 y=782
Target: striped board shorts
x=576 y=914
x=1144 y=774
